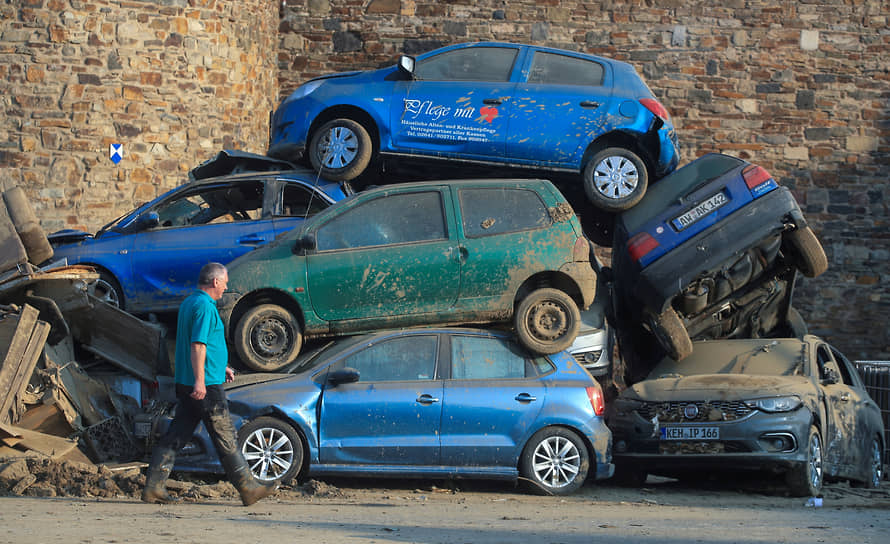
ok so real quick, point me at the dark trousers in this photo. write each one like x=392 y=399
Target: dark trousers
x=213 y=410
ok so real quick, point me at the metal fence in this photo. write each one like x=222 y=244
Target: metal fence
x=876 y=375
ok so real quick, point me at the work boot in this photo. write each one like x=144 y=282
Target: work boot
x=158 y=471
x=239 y=474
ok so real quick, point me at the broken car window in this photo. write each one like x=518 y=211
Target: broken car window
x=470 y=64
x=396 y=219
x=300 y=201
x=400 y=359
x=242 y=201
x=496 y=211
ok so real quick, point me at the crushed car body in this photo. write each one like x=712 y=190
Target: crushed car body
x=789 y=406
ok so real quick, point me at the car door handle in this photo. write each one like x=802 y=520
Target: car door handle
x=525 y=397
x=493 y=101
x=589 y=104
x=462 y=253
x=251 y=239
x=427 y=399
x=845 y=397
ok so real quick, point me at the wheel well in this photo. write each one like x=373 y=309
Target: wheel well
x=117 y=284
x=265 y=296
x=556 y=280
x=620 y=139
x=349 y=112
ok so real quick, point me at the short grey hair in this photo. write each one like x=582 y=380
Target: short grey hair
x=210 y=272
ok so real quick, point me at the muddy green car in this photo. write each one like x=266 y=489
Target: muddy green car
x=432 y=253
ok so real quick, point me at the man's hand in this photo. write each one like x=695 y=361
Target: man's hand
x=199 y=390
x=230 y=374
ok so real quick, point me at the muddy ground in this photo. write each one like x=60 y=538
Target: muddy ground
x=69 y=503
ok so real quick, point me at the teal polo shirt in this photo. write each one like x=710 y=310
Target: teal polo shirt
x=199 y=321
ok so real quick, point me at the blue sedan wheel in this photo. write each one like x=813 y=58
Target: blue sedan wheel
x=555 y=461
x=272 y=449
x=615 y=179
x=340 y=150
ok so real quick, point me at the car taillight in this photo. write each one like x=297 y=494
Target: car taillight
x=640 y=245
x=758 y=180
x=581 y=250
x=597 y=402
x=656 y=108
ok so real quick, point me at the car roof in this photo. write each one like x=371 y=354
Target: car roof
x=525 y=45
x=497 y=182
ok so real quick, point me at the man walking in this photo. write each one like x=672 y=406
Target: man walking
x=201 y=370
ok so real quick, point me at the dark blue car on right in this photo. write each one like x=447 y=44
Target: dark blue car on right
x=711 y=251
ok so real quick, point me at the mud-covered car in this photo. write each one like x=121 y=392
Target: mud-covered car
x=428 y=253
x=786 y=406
x=487 y=103
x=148 y=259
x=422 y=403
x=711 y=252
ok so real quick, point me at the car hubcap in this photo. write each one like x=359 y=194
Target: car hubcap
x=269 y=453
x=338 y=148
x=270 y=338
x=547 y=321
x=616 y=177
x=556 y=461
x=876 y=469
x=815 y=462
x=105 y=292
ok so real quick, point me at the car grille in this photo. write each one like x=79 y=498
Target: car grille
x=706 y=411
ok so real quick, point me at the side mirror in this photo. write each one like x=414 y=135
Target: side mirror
x=343 y=375
x=831 y=377
x=406 y=64
x=307 y=242
x=148 y=220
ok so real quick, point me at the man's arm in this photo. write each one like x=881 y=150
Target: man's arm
x=198 y=355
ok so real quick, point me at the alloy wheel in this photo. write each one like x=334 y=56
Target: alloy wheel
x=556 y=461
x=269 y=453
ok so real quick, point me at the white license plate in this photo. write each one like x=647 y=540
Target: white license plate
x=701 y=210
x=690 y=433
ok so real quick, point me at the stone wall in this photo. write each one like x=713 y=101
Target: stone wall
x=173 y=81
x=800 y=87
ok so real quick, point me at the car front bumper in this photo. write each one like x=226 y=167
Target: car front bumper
x=744 y=444
x=708 y=251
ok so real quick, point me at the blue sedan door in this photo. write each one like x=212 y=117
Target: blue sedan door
x=457 y=105
x=392 y=414
x=215 y=222
x=559 y=110
x=490 y=403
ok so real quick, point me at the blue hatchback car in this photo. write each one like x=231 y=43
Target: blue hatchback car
x=148 y=259
x=490 y=103
x=421 y=403
x=711 y=253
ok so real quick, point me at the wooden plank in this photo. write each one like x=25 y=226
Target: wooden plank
x=29 y=361
x=19 y=342
x=49 y=445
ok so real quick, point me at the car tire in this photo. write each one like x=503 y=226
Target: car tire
x=267 y=337
x=805 y=480
x=108 y=290
x=807 y=253
x=874 y=469
x=272 y=448
x=555 y=461
x=615 y=179
x=340 y=150
x=628 y=476
x=670 y=332
x=547 y=321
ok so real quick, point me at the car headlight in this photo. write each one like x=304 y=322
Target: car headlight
x=775 y=404
x=304 y=90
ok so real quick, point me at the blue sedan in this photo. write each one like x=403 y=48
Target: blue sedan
x=149 y=259
x=487 y=103
x=426 y=403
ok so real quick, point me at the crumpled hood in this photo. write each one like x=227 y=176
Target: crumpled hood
x=716 y=387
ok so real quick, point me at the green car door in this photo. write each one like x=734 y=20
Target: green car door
x=386 y=256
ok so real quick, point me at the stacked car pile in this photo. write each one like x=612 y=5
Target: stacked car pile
x=709 y=251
